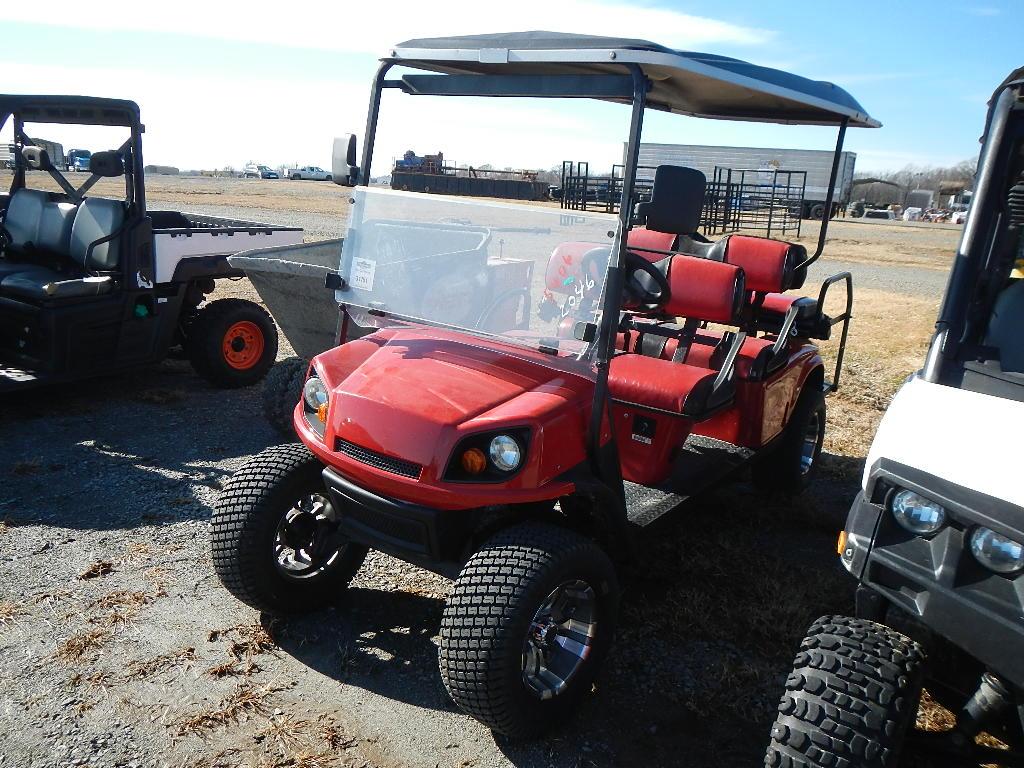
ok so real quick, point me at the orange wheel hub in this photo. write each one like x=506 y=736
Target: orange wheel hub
x=243 y=345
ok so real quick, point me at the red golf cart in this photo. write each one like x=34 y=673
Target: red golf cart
x=536 y=386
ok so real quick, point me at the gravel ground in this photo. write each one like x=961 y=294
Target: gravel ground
x=118 y=646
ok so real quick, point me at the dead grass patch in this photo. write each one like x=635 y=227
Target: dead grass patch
x=10 y=612
x=97 y=569
x=27 y=467
x=246 y=640
x=243 y=702
x=162 y=663
x=159 y=396
x=121 y=606
x=82 y=645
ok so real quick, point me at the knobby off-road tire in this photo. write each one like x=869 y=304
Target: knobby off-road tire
x=785 y=470
x=282 y=389
x=245 y=524
x=493 y=610
x=231 y=342
x=850 y=699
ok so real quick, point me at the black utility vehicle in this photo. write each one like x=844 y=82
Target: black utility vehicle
x=91 y=285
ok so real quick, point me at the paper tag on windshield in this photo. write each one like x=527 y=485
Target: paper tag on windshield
x=362 y=274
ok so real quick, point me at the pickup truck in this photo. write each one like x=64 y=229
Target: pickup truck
x=311 y=172
x=94 y=284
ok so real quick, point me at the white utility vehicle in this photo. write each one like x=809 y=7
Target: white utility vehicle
x=311 y=172
x=92 y=284
x=936 y=535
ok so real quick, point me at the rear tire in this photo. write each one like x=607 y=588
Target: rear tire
x=851 y=698
x=248 y=544
x=231 y=342
x=506 y=627
x=282 y=389
x=792 y=463
x=817 y=211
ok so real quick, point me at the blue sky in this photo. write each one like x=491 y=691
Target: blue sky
x=221 y=86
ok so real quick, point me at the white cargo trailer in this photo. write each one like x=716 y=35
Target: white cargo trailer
x=705 y=158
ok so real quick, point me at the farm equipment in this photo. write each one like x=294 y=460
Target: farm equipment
x=92 y=285
x=935 y=537
x=528 y=389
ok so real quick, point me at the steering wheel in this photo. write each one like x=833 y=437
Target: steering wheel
x=645 y=284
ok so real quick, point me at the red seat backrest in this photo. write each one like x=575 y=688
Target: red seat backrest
x=650 y=238
x=769 y=265
x=701 y=289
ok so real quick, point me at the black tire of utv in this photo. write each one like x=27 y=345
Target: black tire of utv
x=245 y=520
x=489 y=612
x=206 y=336
x=282 y=389
x=780 y=471
x=851 y=698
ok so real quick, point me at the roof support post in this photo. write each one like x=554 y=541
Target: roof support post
x=830 y=198
x=371 y=122
x=613 y=288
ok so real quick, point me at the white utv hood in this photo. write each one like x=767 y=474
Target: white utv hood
x=968 y=438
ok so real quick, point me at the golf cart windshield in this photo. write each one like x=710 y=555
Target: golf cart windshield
x=526 y=275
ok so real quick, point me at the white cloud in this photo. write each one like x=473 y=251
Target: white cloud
x=374 y=27
x=984 y=10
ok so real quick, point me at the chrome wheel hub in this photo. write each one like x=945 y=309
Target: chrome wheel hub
x=304 y=543
x=560 y=638
x=810 y=443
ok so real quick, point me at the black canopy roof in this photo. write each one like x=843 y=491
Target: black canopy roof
x=699 y=84
x=74 y=110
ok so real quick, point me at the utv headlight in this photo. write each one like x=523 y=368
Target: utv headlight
x=505 y=453
x=917 y=514
x=997 y=552
x=314 y=395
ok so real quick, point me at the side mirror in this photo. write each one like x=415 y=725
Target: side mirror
x=109 y=164
x=344 y=171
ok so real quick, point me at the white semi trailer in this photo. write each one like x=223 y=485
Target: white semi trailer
x=817 y=164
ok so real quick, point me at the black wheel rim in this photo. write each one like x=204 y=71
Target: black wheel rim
x=560 y=638
x=809 y=445
x=306 y=542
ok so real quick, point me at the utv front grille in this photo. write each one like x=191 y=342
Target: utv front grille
x=379 y=460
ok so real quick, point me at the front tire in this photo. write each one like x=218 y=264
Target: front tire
x=526 y=627
x=231 y=342
x=851 y=698
x=273 y=535
x=791 y=464
x=281 y=392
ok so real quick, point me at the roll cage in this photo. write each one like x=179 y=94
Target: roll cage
x=79 y=110
x=639 y=73
x=990 y=243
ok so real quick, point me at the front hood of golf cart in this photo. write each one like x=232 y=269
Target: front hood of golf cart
x=414 y=395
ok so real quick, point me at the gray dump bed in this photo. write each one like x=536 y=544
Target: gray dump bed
x=290 y=280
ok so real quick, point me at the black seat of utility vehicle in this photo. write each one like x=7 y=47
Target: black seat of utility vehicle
x=55 y=247
x=88 y=245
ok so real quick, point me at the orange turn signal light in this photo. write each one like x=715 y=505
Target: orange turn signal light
x=473 y=461
x=841 y=544
x=321 y=413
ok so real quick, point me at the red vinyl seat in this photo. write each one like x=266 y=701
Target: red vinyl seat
x=678 y=388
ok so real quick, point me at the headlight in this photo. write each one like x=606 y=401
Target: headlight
x=505 y=453
x=917 y=514
x=314 y=394
x=997 y=552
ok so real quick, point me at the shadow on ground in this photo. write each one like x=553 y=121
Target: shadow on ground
x=711 y=620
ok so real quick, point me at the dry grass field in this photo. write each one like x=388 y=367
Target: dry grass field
x=120 y=648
